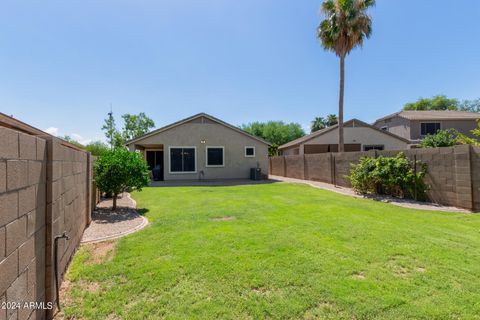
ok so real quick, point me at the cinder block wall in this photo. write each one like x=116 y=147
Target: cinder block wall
x=23 y=166
x=68 y=204
x=44 y=190
x=453 y=173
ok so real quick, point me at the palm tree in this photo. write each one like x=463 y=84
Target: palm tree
x=331 y=120
x=317 y=124
x=344 y=28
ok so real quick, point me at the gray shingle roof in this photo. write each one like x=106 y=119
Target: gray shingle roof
x=354 y=122
x=434 y=115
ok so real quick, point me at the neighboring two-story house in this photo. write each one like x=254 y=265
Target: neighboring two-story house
x=415 y=125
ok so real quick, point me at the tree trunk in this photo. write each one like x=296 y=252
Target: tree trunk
x=341 y=147
x=114 y=206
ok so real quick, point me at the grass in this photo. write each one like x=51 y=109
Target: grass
x=280 y=251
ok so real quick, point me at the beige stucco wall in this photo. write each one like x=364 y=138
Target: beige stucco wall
x=396 y=125
x=410 y=129
x=358 y=135
x=190 y=134
x=463 y=126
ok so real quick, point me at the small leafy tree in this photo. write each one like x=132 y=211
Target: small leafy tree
x=443 y=138
x=119 y=169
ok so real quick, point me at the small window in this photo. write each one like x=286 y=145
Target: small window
x=429 y=128
x=384 y=128
x=182 y=160
x=215 y=156
x=249 y=151
x=373 y=147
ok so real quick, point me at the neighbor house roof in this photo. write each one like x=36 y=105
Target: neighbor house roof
x=199 y=115
x=433 y=115
x=353 y=122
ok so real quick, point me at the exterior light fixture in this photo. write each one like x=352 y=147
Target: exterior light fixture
x=203 y=141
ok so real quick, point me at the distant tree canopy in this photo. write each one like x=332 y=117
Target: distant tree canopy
x=275 y=132
x=320 y=123
x=442 y=102
x=72 y=141
x=134 y=127
x=97 y=148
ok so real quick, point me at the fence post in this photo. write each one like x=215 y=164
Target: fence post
x=415 y=173
x=284 y=166
x=305 y=173
x=334 y=172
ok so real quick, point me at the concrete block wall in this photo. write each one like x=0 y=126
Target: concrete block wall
x=295 y=167
x=23 y=164
x=475 y=161
x=68 y=206
x=277 y=166
x=318 y=167
x=453 y=173
x=44 y=190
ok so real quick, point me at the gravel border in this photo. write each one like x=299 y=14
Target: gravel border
x=108 y=225
x=405 y=203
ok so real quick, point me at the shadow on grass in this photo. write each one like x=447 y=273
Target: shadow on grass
x=142 y=211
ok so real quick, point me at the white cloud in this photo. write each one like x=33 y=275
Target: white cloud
x=80 y=138
x=52 y=130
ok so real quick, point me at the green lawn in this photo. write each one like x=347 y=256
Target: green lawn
x=292 y=251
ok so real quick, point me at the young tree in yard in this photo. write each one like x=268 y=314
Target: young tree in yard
x=119 y=169
x=345 y=27
x=136 y=125
x=275 y=132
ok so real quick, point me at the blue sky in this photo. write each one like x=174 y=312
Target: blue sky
x=63 y=62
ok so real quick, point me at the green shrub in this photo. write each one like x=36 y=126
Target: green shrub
x=443 y=138
x=119 y=169
x=394 y=176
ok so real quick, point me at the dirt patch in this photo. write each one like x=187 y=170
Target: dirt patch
x=224 y=218
x=101 y=252
x=261 y=291
x=358 y=275
x=326 y=310
x=91 y=287
x=420 y=269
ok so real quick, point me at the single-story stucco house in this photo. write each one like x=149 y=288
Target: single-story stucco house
x=415 y=125
x=358 y=136
x=201 y=147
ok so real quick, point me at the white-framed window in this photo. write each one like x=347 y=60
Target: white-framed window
x=182 y=159
x=215 y=156
x=250 y=152
x=368 y=147
x=427 y=128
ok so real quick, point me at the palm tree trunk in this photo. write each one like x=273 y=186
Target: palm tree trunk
x=340 y=105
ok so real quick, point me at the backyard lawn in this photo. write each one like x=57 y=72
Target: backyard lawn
x=280 y=251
